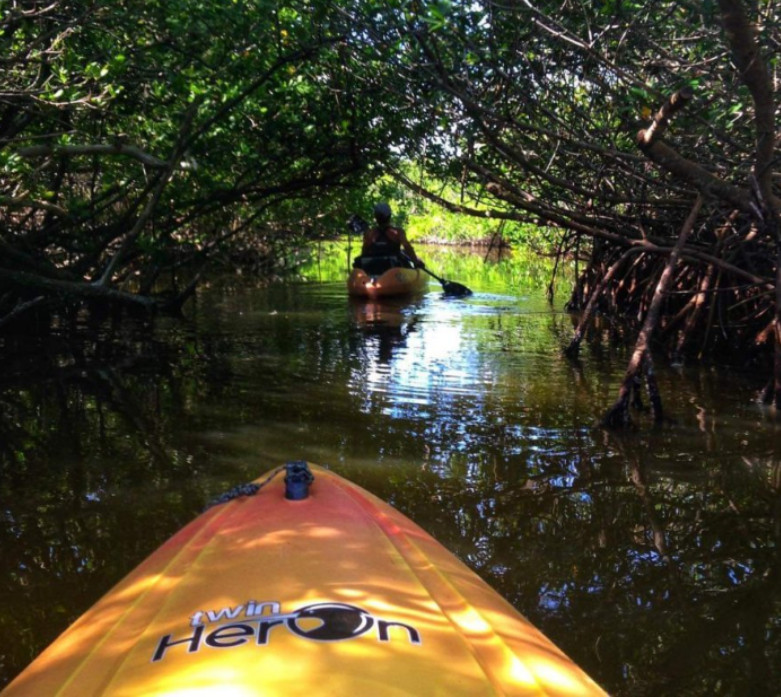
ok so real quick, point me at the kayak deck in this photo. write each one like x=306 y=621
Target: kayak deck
x=337 y=593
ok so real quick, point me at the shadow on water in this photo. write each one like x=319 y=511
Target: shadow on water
x=651 y=558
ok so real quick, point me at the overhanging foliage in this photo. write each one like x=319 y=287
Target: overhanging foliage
x=138 y=136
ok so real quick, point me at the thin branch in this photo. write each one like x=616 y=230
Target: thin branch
x=34 y=151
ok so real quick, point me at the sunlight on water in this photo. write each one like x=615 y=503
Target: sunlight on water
x=463 y=412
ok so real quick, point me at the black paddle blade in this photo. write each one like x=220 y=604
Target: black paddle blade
x=455 y=290
x=357 y=224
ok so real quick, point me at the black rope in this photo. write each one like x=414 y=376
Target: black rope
x=249 y=489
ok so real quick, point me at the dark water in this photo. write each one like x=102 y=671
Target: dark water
x=651 y=558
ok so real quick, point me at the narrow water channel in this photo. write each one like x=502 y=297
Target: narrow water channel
x=650 y=557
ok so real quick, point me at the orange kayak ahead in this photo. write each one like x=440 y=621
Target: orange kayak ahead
x=395 y=281
x=333 y=593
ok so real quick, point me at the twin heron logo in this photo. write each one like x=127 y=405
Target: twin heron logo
x=255 y=623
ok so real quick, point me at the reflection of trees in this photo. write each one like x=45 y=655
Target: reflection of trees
x=92 y=477
x=649 y=574
x=683 y=575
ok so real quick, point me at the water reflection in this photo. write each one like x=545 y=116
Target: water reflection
x=384 y=326
x=651 y=558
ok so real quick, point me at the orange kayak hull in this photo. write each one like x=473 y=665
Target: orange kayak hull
x=394 y=282
x=338 y=594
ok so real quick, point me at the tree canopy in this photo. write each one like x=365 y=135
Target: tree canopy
x=139 y=137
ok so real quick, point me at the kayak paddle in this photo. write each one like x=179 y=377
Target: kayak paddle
x=457 y=290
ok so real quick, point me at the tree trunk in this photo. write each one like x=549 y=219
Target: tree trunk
x=618 y=415
x=777 y=334
x=574 y=346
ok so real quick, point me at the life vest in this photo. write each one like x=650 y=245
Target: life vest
x=382 y=245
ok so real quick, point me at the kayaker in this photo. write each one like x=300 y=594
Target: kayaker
x=385 y=240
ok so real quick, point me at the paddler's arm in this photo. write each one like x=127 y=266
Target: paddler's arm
x=408 y=249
